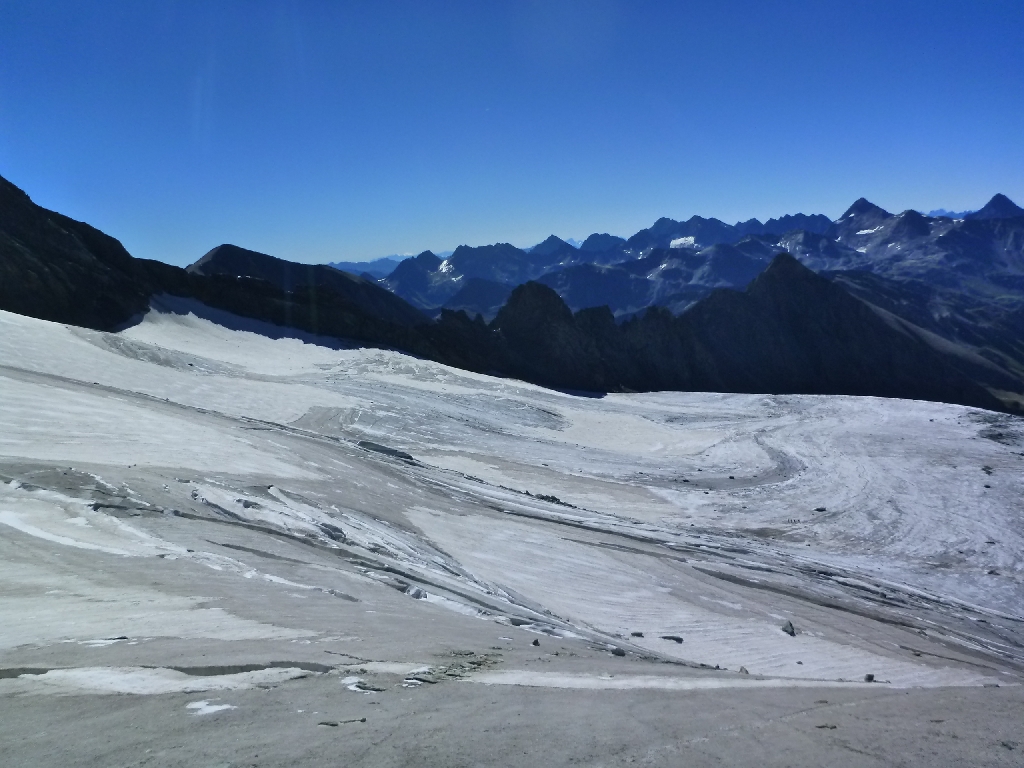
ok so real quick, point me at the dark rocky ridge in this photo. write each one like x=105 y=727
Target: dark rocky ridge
x=55 y=268
x=232 y=261
x=999 y=207
x=58 y=269
x=791 y=331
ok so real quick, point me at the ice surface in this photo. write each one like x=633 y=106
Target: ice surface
x=231 y=457
x=139 y=681
x=206 y=708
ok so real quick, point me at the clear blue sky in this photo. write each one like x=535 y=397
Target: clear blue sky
x=326 y=130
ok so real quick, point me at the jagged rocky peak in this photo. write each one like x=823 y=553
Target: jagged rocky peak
x=999 y=207
x=532 y=307
x=601 y=243
x=427 y=259
x=225 y=257
x=783 y=267
x=552 y=244
x=864 y=207
x=910 y=224
x=860 y=219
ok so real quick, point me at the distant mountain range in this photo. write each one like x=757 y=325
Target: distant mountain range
x=874 y=303
x=960 y=278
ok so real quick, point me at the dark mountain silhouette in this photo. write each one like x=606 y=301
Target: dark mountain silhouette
x=790 y=331
x=480 y=297
x=233 y=261
x=553 y=249
x=999 y=207
x=601 y=243
x=816 y=223
x=419 y=281
x=594 y=285
x=377 y=268
x=55 y=268
x=705 y=232
x=58 y=269
x=860 y=219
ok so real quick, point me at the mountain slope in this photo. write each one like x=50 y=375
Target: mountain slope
x=791 y=331
x=377 y=268
x=232 y=261
x=55 y=268
x=999 y=207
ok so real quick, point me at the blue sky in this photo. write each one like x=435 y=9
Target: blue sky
x=322 y=131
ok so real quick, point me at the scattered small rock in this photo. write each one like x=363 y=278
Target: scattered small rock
x=674 y=638
x=829 y=726
x=618 y=652
x=1009 y=744
x=336 y=723
x=535 y=642
x=869 y=678
x=743 y=671
x=636 y=634
x=819 y=509
x=731 y=477
x=789 y=629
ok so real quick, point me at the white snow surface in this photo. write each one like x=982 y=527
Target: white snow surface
x=899 y=506
x=140 y=681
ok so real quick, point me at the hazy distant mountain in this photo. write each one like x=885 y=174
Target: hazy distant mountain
x=480 y=297
x=698 y=232
x=605 y=270
x=942 y=212
x=378 y=267
x=429 y=282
